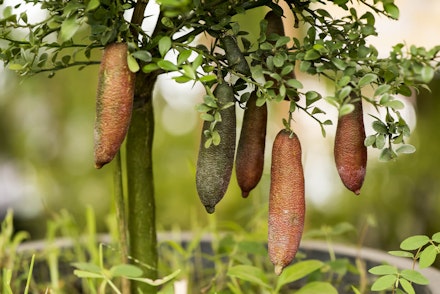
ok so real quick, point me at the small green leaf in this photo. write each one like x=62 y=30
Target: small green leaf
x=126 y=270
x=311 y=97
x=215 y=136
x=85 y=274
x=409 y=289
x=414 y=276
x=164 y=45
x=414 y=242
x=197 y=61
x=395 y=104
x=294 y=83
x=208 y=143
x=346 y=109
x=167 y=65
x=367 y=79
x=208 y=78
x=183 y=56
x=370 y=140
x=150 y=67
x=406 y=149
x=383 y=270
x=143 y=55
x=207 y=117
x=427 y=74
x=317 y=287
x=344 y=81
x=400 y=253
x=436 y=237
x=283 y=40
x=85 y=266
x=15 y=66
x=382 y=89
x=93 y=4
x=428 y=256
x=386 y=155
x=312 y=54
x=380 y=127
x=287 y=69
x=304 y=66
x=383 y=283
x=341 y=65
x=344 y=92
x=392 y=10
x=133 y=65
x=182 y=79
x=188 y=71
x=297 y=271
x=249 y=273
x=202 y=107
x=68 y=28
x=380 y=141
x=355 y=290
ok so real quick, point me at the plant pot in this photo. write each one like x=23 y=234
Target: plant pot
x=203 y=261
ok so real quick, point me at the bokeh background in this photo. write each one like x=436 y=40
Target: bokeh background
x=46 y=152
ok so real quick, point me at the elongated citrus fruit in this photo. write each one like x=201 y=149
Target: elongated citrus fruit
x=235 y=57
x=114 y=103
x=275 y=26
x=286 y=200
x=349 y=151
x=249 y=161
x=214 y=164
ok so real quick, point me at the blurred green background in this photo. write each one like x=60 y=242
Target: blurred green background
x=46 y=164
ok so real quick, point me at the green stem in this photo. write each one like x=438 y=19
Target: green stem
x=141 y=202
x=121 y=218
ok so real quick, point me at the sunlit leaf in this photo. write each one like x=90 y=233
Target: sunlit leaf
x=164 y=45
x=414 y=276
x=68 y=28
x=383 y=270
x=297 y=271
x=317 y=287
x=428 y=256
x=249 y=273
x=414 y=242
x=383 y=283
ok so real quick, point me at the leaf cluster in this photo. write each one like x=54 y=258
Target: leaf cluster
x=336 y=49
x=420 y=248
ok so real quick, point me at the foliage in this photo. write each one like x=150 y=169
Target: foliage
x=335 y=48
x=332 y=48
x=420 y=248
x=87 y=270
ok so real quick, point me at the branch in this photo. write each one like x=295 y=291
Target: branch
x=138 y=17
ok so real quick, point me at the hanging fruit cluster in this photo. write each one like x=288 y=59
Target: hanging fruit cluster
x=287 y=193
x=218 y=150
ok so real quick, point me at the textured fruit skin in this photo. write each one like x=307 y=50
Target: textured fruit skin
x=249 y=162
x=235 y=57
x=114 y=103
x=214 y=164
x=350 y=152
x=286 y=200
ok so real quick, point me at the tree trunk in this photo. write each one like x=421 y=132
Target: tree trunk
x=141 y=202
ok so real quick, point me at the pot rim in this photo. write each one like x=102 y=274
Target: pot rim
x=365 y=253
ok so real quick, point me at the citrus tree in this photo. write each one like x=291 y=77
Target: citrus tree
x=73 y=33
